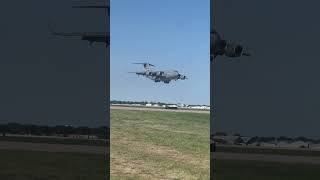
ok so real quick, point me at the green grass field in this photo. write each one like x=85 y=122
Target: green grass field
x=253 y=170
x=28 y=165
x=159 y=145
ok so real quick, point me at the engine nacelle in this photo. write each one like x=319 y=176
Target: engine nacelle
x=159 y=73
x=233 y=49
x=182 y=77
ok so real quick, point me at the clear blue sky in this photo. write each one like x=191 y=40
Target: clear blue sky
x=171 y=34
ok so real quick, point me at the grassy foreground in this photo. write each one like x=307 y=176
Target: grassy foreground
x=95 y=142
x=252 y=170
x=159 y=145
x=30 y=165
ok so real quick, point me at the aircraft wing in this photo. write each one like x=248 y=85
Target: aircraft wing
x=138 y=73
x=69 y=34
x=81 y=34
x=94 y=6
x=89 y=36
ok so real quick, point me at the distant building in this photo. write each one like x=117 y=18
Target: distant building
x=79 y=136
x=226 y=139
x=315 y=147
x=171 y=106
x=199 y=107
x=181 y=105
x=268 y=144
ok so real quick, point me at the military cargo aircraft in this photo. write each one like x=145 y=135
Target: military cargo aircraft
x=165 y=76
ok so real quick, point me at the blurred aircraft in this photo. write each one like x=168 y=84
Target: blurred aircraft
x=229 y=48
x=94 y=7
x=100 y=37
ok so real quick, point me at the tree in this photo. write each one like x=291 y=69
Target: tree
x=236 y=134
x=221 y=134
x=239 y=140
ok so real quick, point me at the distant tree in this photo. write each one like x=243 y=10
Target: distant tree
x=211 y=136
x=220 y=141
x=221 y=134
x=266 y=139
x=239 y=140
x=284 y=138
x=102 y=132
x=301 y=138
x=3 y=129
x=236 y=134
x=254 y=139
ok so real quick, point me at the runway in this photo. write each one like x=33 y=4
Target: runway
x=136 y=108
x=266 y=158
x=9 y=145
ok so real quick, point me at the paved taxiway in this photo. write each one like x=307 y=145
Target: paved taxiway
x=266 y=157
x=8 y=145
x=158 y=109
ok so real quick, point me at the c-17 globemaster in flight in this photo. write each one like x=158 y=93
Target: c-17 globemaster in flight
x=229 y=48
x=157 y=76
x=100 y=37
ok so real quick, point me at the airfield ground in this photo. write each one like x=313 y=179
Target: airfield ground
x=264 y=164
x=148 y=144
x=86 y=142
x=261 y=170
x=266 y=158
x=26 y=158
x=46 y=147
x=268 y=151
x=161 y=109
x=37 y=165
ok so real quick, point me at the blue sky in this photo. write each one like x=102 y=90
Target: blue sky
x=171 y=34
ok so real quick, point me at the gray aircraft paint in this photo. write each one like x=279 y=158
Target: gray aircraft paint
x=165 y=76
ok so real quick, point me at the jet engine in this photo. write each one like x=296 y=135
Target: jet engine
x=233 y=49
x=182 y=77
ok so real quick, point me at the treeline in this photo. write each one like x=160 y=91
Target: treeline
x=37 y=130
x=269 y=139
x=283 y=139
